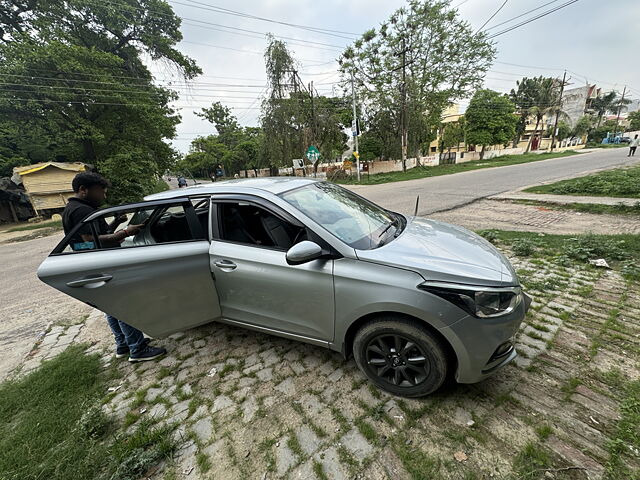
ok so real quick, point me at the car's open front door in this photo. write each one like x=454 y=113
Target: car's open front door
x=158 y=281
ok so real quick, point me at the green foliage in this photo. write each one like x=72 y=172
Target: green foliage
x=489 y=119
x=589 y=246
x=601 y=132
x=564 y=130
x=523 y=247
x=531 y=462
x=453 y=134
x=634 y=121
x=294 y=117
x=444 y=61
x=622 y=182
x=79 y=89
x=627 y=437
x=52 y=426
x=607 y=102
x=583 y=126
x=537 y=97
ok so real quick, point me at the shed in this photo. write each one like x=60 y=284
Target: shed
x=49 y=184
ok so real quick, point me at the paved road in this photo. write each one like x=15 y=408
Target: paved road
x=451 y=191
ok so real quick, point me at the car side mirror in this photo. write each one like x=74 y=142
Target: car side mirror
x=303 y=252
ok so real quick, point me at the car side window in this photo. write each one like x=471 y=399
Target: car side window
x=246 y=223
x=151 y=225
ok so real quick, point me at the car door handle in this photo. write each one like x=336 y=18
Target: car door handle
x=92 y=281
x=225 y=265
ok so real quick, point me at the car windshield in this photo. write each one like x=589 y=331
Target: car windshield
x=356 y=221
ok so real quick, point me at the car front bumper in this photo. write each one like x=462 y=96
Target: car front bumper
x=483 y=346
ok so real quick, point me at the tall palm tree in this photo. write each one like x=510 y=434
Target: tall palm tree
x=545 y=100
x=608 y=102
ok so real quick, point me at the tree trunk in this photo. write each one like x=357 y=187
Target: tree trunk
x=535 y=132
x=482 y=152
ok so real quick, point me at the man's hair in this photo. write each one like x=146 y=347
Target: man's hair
x=88 y=180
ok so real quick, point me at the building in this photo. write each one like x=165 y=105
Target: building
x=48 y=185
x=576 y=102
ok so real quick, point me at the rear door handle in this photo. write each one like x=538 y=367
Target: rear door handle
x=92 y=281
x=225 y=264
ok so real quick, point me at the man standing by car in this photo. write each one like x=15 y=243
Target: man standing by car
x=633 y=146
x=90 y=193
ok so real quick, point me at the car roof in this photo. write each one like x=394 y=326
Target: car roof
x=275 y=185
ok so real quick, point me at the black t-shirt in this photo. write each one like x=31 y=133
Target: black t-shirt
x=74 y=212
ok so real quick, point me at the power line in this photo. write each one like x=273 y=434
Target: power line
x=525 y=22
x=226 y=11
x=522 y=14
x=491 y=17
x=215 y=26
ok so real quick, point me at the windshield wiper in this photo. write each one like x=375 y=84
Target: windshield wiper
x=394 y=222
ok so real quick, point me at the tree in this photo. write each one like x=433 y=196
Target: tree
x=600 y=133
x=541 y=98
x=523 y=97
x=77 y=81
x=583 y=126
x=452 y=134
x=634 y=121
x=489 y=119
x=607 y=102
x=564 y=130
x=423 y=57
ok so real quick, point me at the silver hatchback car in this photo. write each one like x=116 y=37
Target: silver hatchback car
x=413 y=300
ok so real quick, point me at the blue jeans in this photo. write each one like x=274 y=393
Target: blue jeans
x=126 y=335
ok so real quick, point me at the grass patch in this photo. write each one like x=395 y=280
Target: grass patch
x=319 y=472
x=423 y=172
x=574 y=248
x=367 y=430
x=204 y=464
x=415 y=461
x=52 y=426
x=627 y=436
x=544 y=431
x=620 y=182
x=57 y=224
x=531 y=462
x=594 y=208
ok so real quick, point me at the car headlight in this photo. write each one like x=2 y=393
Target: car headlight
x=480 y=301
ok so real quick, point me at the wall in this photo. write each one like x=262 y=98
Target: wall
x=49 y=187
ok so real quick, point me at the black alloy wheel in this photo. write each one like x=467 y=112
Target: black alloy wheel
x=401 y=356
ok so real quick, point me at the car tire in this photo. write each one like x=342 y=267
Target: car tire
x=401 y=356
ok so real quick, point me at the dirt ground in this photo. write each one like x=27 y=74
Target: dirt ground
x=27 y=305
x=505 y=215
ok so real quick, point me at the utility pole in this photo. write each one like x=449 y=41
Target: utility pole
x=313 y=115
x=619 y=110
x=555 y=126
x=355 y=127
x=405 y=134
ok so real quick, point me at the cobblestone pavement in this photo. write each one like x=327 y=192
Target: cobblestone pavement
x=505 y=215
x=247 y=405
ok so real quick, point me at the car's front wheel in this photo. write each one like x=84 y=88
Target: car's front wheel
x=401 y=356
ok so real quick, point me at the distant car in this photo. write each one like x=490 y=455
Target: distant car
x=413 y=300
x=625 y=139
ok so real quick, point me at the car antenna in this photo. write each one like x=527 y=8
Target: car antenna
x=415 y=214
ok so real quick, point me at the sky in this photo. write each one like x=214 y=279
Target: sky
x=596 y=41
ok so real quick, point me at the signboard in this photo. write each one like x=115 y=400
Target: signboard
x=357 y=155
x=298 y=163
x=313 y=154
x=347 y=164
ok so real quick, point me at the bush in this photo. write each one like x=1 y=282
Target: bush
x=586 y=247
x=523 y=247
x=489 y=235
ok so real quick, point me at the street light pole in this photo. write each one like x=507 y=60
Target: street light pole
x=355 y=127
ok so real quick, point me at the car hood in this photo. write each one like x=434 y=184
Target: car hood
x=443 y=252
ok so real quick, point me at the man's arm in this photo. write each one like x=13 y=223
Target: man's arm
x=114 y=238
